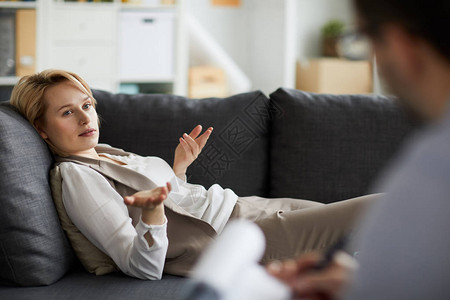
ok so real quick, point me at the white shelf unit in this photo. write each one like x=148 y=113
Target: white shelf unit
x=83 y=37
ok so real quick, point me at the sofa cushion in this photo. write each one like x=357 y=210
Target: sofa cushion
x=80 y=285
x=236 y=153
x=33 y=247
x=331 y=147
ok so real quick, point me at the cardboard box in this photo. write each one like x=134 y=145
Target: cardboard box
x=207 y=81
x=226 y=2
x=335 y=76
x=168 y=2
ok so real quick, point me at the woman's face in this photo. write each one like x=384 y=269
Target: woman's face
x=70 y=122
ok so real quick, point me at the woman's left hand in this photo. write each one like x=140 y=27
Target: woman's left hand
x=189 y=149
x=149 y=199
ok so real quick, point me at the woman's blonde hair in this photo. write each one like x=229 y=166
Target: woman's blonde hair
x=28 y=94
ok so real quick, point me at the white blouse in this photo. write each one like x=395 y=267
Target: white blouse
x=100 y=214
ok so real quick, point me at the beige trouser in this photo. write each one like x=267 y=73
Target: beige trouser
x=293 y=226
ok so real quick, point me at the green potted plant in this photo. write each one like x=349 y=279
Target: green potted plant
x=331 y=32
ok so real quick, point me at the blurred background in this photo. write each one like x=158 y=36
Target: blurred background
x=195 y=48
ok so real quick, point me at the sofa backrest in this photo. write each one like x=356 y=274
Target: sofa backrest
x=33 y=248
x=236 y=155
x=332 y=147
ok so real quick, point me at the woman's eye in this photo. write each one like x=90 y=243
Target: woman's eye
x=67 y=113
x=87 y=105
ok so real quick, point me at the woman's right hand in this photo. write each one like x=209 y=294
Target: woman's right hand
x=189 y=149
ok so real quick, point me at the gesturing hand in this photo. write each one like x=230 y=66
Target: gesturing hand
x=148 y=199
x=189 y=148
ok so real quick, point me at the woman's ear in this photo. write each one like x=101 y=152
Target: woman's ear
x=41 y=131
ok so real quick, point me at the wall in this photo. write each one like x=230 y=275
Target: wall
x=268 y=44
x=311 y=16
x=228 y=25
x=266 y=37
x=253 y=35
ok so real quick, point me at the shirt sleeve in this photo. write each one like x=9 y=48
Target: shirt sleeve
x=100 y=214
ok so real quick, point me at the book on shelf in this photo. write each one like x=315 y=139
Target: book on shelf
x=17 y=42
x=7 y=43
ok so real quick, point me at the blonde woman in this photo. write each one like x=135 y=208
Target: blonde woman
x=140 y=211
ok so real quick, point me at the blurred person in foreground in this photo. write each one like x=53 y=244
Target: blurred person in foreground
x=403 y=244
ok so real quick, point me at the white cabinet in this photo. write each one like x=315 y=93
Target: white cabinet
x=94 y=63
x=147 y=41
x=111 y=43
x=80 y=23
x=82 y=39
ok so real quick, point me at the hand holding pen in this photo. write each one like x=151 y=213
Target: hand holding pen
x=316 y=275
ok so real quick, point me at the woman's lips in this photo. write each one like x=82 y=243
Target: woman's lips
x=87 y=133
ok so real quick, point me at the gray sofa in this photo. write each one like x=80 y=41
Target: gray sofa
x=292 y=144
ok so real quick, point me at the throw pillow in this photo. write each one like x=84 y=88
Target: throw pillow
x=92 y=258
x=33 y=248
